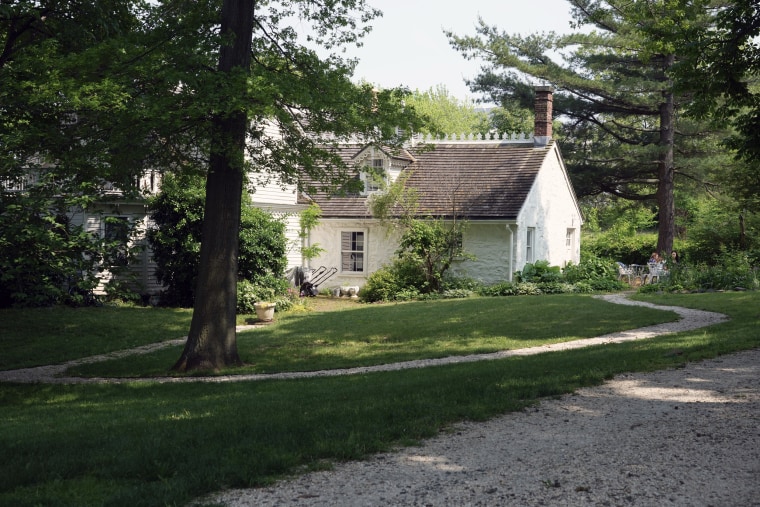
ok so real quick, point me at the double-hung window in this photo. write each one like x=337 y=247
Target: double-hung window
x=374 y=176
x=353 y=246
x=530 y=245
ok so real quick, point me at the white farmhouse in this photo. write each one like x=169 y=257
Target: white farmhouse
x=515 y=195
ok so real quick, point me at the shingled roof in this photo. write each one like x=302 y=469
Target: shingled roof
x=474 y=180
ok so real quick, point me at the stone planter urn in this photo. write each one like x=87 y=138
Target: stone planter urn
x=264 y=311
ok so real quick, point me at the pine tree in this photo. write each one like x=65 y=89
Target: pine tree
x=614 y=86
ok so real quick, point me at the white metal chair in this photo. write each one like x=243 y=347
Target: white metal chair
x=624 y=272
x=656 y=271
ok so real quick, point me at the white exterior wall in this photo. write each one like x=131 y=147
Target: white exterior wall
x=281 y=201
x=143 y=266
x=379 y=249
x=551 y=209
x=489 y=243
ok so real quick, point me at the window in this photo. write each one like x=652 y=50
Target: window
x=530 y=245
x=570 y=241
x=352 y=251
x=374 y=176
x=116 y=235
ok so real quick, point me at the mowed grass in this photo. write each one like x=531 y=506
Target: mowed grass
x=166 y=444
x=365 y=335
x=40 y=336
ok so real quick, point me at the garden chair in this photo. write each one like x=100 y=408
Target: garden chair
x=624 y=272
x=656 y=271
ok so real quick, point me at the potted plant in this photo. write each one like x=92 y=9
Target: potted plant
x=264 y=310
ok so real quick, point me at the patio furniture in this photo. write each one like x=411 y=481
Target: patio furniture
x=624 y=272
x=656 y=270
x=639 y=274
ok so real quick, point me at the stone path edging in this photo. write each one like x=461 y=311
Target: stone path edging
x=690 y=319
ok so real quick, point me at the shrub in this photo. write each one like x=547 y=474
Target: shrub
x=527 y=289
x=606 y=285
x=266 y=288
x=591 y=267
x=456 y=294
x=407 y=294
x=175 y=240
x=539 y=271
x=381 y=285
x=45 y=258
x=583 y=287
x=460 y=282
x=431 y=246
x=555 y=287
x=498 y=289
x=733 y=271
x=398 y=281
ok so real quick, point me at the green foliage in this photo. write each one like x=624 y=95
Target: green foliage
x=400 y=281
x=591 y=275
x=308 y=219
x=263 y=246
x=603 y=285
x=629 y=249
x=46 y=259
x=717 y=229
x=432 y=245
x=427 y=247
x=512 y=119
x=733 y=270
x=539 y=271
x=177 y=212
x=719 y=67
x=382 y=285
x=623 y=78
x=591 y=267
x=456 y=293
x=269 y=288
x=461 y=283
x=446 y=115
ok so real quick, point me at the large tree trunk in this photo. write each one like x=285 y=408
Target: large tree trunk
x=666 y=170
x=212 y=343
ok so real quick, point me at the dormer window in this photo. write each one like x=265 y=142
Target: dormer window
x=374 y=176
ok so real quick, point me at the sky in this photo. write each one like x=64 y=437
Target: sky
x=407 y=45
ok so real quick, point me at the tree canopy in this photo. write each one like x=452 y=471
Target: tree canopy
x=102 y=91
x=618 y=91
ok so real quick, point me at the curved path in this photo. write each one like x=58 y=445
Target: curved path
x=53 y=374
x=681 y=437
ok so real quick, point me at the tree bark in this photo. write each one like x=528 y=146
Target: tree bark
x=212 y=341
x=666 y=169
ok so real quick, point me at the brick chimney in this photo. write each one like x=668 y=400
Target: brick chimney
x=542 y=128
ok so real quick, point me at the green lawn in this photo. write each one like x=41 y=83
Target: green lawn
x=365 y=335
x=39 y=336
x=165 y=444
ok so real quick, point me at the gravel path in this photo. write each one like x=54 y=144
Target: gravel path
x=681 y=437
x=55 y=374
